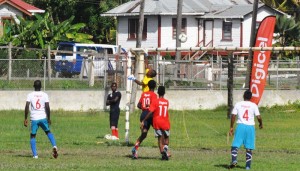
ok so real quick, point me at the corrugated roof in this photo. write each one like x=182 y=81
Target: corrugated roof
x=154 y=7
x=205 y=8
x=232 y=11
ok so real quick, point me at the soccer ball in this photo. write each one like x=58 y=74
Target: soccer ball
x=182 y=38
x=114 y=138
x=107 y=136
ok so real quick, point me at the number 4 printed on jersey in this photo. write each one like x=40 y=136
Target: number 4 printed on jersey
x=245 y=116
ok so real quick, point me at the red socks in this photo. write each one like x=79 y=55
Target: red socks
x=115 y=132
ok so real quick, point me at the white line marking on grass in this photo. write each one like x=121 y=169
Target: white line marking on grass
x=187 y=134
x=208 y=126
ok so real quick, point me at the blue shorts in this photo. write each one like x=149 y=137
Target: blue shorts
x=244 y=135
x=35 y=124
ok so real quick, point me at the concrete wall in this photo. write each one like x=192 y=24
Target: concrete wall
x=179 y=100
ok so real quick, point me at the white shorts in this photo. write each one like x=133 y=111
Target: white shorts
x=159 y=132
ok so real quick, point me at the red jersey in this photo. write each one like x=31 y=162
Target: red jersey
x=146 y=99
x=160 y=114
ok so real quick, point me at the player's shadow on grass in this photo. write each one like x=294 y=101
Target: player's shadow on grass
x=23 y=156
x=142 y=157
x=226 y=166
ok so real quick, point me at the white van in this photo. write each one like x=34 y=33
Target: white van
x=69 y=64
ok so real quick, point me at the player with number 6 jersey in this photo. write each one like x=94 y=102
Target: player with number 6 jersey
x=39 y=117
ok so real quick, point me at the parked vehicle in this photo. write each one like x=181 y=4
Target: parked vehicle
x=69 y=64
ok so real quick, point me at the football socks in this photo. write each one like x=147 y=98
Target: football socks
x=248 y=158
x=51 y=138
x=33 y=146
x=234 y=153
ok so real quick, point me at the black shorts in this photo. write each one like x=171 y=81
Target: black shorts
x=148 y=122
x=114 y=117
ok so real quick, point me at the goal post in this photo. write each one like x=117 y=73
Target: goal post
x=136 y=51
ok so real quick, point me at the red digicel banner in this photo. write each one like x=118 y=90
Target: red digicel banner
x=261 y=59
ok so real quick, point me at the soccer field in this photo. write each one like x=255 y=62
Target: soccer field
x=198 y=141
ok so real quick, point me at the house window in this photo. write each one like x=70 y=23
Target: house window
x=227 y=31
x=133 y=29
x=257 y=25
x=174 y=24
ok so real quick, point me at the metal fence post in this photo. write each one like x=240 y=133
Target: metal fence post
x=106 y=88
x=298 y=74
x=9 y=62
x=277 y=73
x=49 y=63
x=44 y=68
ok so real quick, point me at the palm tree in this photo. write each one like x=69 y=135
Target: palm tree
x=288 y=31
x=291 y=7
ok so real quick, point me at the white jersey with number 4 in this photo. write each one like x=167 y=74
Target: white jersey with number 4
x=37 y=101
x=246 y=112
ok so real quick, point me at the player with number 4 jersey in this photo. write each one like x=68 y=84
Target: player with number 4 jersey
x=245 y=130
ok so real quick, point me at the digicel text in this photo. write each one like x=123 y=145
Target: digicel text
x=260 y=73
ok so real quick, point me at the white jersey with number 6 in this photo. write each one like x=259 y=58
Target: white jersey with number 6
x=37 y=101
x=246 y=112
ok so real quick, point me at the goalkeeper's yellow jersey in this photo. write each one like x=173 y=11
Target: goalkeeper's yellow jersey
x=145 y=81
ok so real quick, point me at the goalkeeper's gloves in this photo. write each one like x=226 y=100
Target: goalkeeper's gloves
x=131 y=77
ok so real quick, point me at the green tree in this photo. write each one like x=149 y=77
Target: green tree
x=288 y=34
x=101 y=28
x=42 y=31
x=288 y=31
x=291 y=7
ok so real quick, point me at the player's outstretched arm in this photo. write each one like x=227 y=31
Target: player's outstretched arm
x=132 y=78
x=139 y=82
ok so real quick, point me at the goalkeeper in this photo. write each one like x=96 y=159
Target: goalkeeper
x=149 y=75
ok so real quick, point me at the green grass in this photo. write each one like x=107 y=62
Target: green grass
x=53 y=85
x=198 y=141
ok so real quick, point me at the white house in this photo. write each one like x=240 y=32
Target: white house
x=205 y=22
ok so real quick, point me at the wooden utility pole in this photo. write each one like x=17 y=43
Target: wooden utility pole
x=138 y=45
x=141 y=25
x=252 y=43
x=178 y=31
x=230 y=84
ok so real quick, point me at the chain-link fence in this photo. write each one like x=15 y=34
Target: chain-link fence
x=20 y=66
x=213 y=74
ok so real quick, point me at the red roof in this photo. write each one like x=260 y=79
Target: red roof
x=23 y=6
